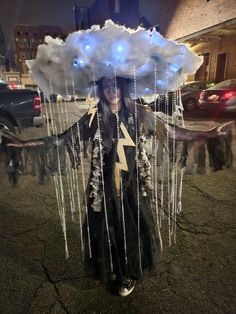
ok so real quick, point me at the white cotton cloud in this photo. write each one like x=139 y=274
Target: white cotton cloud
x=69 y=67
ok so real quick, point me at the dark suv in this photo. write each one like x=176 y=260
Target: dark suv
x=19 y=108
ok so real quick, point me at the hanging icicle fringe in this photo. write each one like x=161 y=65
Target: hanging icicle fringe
x=172 y=156
x=69 y=68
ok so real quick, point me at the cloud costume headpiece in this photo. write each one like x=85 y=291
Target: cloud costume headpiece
x=158 y=64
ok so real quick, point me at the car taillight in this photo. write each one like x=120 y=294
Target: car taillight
x=227 y=95
x=202 y=95
x=13 y=86
x=36 y=103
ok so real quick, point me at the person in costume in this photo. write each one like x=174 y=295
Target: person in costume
x=127 y=248
x=119 y=232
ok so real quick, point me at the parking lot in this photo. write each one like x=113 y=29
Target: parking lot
x=196 y=274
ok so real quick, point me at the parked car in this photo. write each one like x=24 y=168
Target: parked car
x=190 y=93
x=19 y=108
x=219 y=98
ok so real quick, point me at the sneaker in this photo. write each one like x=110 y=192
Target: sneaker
x=127 y=287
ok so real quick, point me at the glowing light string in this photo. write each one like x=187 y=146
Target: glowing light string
x=84 y=185
x=156 y=147
x=70 y=172
x=168 y=167
x=68 y=168
x=99 y=134
x=175 y=117
x=119 y=166
x=137 y=170
x=59 y=183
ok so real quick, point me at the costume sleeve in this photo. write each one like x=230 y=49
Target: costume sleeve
x=47 y=155
x=200 y=144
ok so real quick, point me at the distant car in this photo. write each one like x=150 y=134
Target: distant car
x=190 y=93
x=220 y=97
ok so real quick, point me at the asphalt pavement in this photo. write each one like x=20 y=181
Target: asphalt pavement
x=195 y=275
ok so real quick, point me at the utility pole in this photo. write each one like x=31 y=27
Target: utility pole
x=82 y=19
x=7 y=63
x=75 y=9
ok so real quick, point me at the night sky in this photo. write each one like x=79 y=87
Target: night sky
x=51 y=12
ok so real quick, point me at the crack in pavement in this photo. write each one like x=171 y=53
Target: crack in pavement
x=208 y=196
x=52 y=281
x=167 y=271
x=48 y=277
x=62 y=279
x=36 y=228
x=34 y=296
x=195 y=231
x=55 y=288
x=221 y=229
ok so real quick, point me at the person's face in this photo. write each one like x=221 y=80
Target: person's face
x=111 y=91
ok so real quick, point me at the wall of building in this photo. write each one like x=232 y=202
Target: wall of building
x=178 y=18
x=227 y=45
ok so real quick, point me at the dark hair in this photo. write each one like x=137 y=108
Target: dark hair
x=108 y=117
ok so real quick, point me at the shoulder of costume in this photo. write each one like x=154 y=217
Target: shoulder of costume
x=88 y=116
x=130 y=104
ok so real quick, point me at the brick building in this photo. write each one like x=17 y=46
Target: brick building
x=27 y=38
x=209 y=27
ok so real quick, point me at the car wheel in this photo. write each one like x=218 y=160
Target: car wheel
x=189 y=104
x=6 y=124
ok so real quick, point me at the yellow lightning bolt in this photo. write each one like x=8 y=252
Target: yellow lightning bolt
x=92 y=110
x=122 y=164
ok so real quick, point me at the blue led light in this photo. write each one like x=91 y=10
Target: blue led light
x=107 y=62
x=120 y=48
x=88 y=44
x=161 y=83
x=78 y=62
x=174 y=67
x=148 y=91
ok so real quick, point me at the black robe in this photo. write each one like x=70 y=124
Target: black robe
x=139 y=239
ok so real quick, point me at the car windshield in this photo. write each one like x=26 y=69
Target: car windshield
x=225 y=84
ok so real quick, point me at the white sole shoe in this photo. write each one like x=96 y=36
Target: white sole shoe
x=127 y=288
